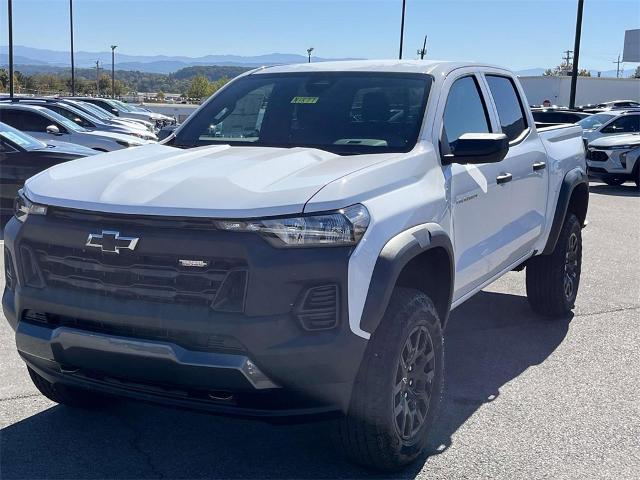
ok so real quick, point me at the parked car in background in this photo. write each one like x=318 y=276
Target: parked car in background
x=45 y=124
x=22 y=156
x=619 y=104
x=615 y=159
x=296 y=246
x=109 y=117
x=555 y=116
x=124 y=110
x=84 y=119
x=609 y=123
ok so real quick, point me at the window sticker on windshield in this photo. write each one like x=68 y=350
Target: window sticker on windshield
x=305 y=100
x=14 y=138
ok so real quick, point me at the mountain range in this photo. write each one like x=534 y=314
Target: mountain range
x=43 y=60
x=146 y=63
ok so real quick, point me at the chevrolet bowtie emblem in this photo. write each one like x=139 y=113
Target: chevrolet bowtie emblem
x=111 y=242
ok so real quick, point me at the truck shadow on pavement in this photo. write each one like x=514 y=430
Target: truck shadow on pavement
x=625 y=190
x=491 y=339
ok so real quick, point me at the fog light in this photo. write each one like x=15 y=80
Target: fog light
x=256 y=377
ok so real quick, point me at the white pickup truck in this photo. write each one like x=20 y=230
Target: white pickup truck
x=296 y=246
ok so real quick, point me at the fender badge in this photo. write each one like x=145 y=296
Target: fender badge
x=193 y=263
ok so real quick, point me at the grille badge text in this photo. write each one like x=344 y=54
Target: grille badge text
x=193 y=263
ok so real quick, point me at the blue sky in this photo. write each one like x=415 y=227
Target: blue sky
x=514 y=33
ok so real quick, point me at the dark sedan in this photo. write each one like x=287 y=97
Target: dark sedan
x=22 y=156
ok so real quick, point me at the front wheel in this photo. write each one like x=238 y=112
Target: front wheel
x=552 y=280
x=398 y=389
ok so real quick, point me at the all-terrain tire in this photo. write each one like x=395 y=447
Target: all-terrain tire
x=398 y=389
x=553 y=280
x=66 y=395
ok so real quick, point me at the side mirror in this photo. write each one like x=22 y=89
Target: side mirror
x=78 y=120
x=115 y=112
x=478 y=148
x=53 y=130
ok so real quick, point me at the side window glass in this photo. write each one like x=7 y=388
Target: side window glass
x=465 y=111
x=32 y=122
x=626 y=124
x=509 y=106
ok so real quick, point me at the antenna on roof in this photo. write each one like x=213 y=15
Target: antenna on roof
x=423 y=51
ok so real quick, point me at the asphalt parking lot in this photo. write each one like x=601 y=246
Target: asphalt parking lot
x=525 y=398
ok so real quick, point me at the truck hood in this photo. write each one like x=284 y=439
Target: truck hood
x=214 y=181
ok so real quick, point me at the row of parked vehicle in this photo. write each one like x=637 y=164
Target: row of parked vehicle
x=611 y=135
x=37 y=133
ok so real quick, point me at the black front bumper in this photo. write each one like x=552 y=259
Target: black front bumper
x=261 y=361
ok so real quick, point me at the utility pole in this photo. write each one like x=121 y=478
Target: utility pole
x=73 y=70
x=567 y=61
x=422 y=51
x=618 y=69
x=404 y=6
x=97 y=78
x=113 y=71
x=309 y=50
x=10 y=12
x=576 y=56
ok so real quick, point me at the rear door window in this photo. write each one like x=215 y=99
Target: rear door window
x=508 y=104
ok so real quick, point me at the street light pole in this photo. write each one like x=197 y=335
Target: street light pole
x=404 y=5
x=113 y=72
x=309 y=50
x=10 y=12
x=73 y=70
x=576 y=55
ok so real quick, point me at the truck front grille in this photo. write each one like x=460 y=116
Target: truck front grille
x=220 y=284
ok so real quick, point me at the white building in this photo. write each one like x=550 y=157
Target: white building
x=588 y=89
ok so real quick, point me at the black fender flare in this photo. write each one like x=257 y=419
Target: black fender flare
x=571 y=180
x=393 y=257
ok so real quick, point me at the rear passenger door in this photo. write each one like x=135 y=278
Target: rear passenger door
x=479 y=203
x=526 y=162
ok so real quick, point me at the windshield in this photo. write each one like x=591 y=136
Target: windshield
x=341 y=112
x=123 y=106
x=93 y=110
x=595 y=121
x=68 y=124
x=20 y=139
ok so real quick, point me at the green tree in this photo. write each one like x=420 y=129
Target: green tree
x=200 y=87
x=636 y=74
x=565 y=69
x=160 y=96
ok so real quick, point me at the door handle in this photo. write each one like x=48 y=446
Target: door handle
x=504 y=178
x=539 y=166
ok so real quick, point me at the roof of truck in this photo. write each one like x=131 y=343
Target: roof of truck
x=432 y=67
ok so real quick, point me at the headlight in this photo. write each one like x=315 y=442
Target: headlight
x=23 y=207
x=342 y=227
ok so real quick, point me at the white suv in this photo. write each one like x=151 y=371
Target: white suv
x=610 y=123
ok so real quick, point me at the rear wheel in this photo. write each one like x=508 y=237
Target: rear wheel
x=73 y=397
x=399 y=386
x=553 y=280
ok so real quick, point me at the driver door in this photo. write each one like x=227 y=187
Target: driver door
x=479 y=194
